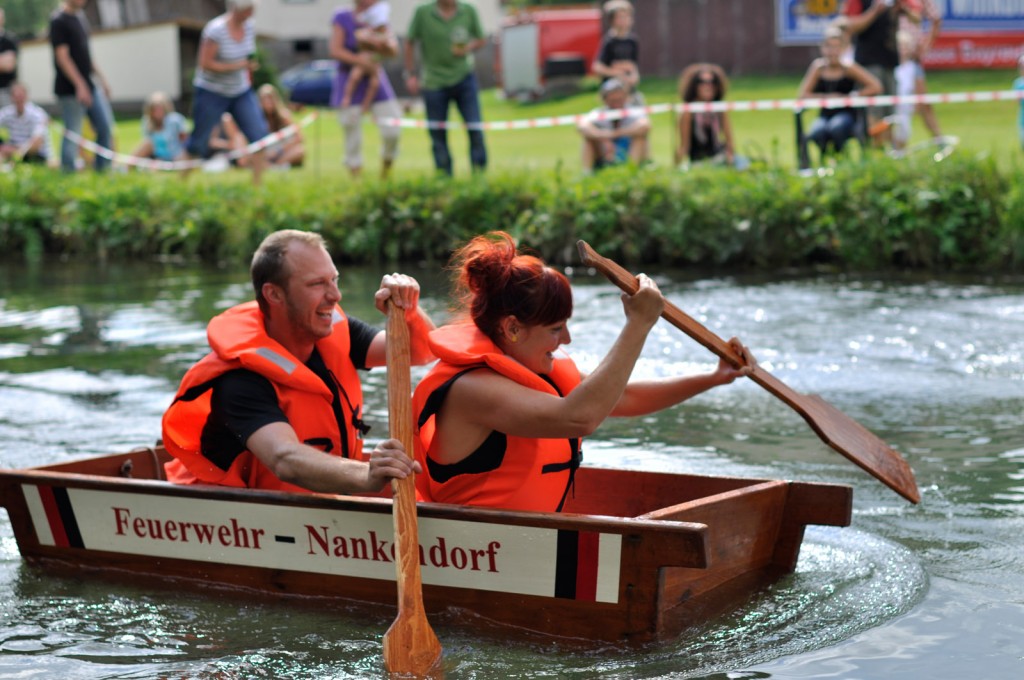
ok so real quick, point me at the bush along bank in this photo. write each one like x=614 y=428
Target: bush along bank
x=961 y=214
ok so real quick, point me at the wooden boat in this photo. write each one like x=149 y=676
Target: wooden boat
x=636 y=556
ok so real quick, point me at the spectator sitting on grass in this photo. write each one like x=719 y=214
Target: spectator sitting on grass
x=613 y=133
x=164 y=130
x=705 y=135
x=289 y=152
x=225 y=146
x=28 y=126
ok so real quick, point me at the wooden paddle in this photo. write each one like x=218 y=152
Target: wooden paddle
x=834 y=427
x=410 y=645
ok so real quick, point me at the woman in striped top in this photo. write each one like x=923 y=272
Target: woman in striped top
x=223 y=81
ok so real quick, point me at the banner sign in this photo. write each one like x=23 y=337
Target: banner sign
x=983 y=50
x=803 y=22
x=975 y=33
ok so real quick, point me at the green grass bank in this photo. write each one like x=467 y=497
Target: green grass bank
x=964 y=213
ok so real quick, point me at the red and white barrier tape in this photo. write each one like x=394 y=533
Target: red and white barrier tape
x=152 y=164
x=707 y=107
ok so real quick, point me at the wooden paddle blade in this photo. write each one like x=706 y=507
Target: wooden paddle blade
x=410 y=646
x=844 y=434
x=834 y=427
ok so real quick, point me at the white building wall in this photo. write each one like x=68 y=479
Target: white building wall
x=135 y=62
x=302 y=19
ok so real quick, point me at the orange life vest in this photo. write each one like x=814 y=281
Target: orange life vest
x=239 y=340
x=534 y=474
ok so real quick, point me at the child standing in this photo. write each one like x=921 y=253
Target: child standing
x=907 y=76
x=376 y=22
x=619 y=52
x=1018 y=84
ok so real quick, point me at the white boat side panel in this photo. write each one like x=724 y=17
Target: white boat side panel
x=609 y=562
x=476 y=555
x=38 y=513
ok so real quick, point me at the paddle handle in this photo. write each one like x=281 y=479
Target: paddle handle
x=410 y=645
x=695 y=329
x=400 y=425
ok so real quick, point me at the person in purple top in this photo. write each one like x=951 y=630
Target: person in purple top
x=349 y=53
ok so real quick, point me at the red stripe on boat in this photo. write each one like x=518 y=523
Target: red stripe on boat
x=586 y=566
x=60 y=537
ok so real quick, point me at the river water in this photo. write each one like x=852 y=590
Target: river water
x=90 y=355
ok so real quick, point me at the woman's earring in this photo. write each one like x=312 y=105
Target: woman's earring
x=513 y=338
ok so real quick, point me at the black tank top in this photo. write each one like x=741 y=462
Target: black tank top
x=843 y=85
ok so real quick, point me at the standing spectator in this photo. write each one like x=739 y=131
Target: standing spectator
x=375 y=22
x=704 y=135
x=1018 y=84
x=828 y=77
x=164 y=130
x=223 y=81
x=447 y=33
x=619 y=53
x=349 y=52
x=873 y=23
x=912 y=24
x=28 y=126
x=80 y=87
x=906 y=79
x=8 y=62
x=289 y=152
x=611 y=141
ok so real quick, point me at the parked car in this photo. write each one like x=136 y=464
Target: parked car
x=310 y=82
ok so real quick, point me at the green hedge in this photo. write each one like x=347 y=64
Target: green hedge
x=963 y=213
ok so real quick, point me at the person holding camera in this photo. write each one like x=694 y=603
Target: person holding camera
x=873 y=25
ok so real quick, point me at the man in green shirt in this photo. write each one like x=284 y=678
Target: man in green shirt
x=447 y=33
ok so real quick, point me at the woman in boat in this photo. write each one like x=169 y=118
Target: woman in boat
x=499 y=418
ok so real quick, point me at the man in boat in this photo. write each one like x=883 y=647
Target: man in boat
x=501 y=415
x=281 y=387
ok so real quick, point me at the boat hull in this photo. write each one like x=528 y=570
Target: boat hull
x=635 y=557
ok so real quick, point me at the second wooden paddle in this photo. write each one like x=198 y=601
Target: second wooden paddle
x=410 y=646
x=834 y=427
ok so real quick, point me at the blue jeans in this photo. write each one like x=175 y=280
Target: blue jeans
x=207 y=109
x=836 y=129
x=72 y=112
x=466 y=97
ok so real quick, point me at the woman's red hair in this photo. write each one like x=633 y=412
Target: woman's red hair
x=494 y=279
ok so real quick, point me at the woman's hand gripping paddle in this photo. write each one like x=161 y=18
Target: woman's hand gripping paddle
x=410 y=645
x=834 y=427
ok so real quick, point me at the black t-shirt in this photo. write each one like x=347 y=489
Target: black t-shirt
x=615 y=48
x=876 y=44
x=67 y=29
x=7 y=44
x=243 y=401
